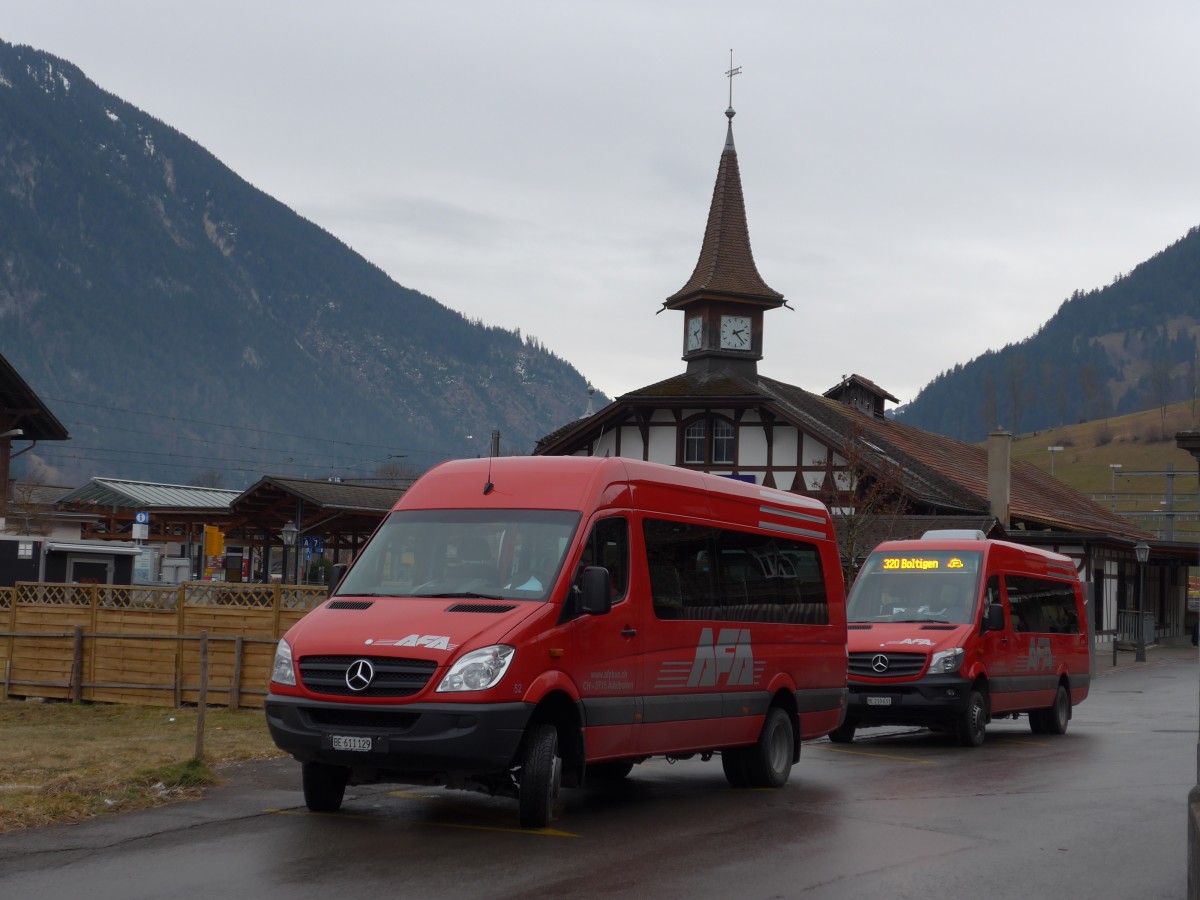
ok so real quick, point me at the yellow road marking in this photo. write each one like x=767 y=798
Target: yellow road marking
x=541 y=832
x=907 y=759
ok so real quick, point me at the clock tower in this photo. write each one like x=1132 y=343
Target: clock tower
x=724 y=300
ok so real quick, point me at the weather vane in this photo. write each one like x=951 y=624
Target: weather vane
x=732 y=71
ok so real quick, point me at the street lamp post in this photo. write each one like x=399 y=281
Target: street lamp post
x=1113 y=468
x=1190 y=441
x=289 y=532
x=1142 y=551
x=1052 y=451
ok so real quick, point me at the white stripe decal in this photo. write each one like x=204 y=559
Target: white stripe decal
x=787 y=529
x=789 y=514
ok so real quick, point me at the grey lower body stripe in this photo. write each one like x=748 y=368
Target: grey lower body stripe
x=810 y=700
x=600 y=711
x=1016 y=683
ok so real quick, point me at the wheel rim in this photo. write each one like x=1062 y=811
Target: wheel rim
x=780 y=749
x=1060 y=708
x=977 y=717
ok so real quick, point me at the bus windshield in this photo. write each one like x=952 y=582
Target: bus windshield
x=917 y=586
x=494 y=553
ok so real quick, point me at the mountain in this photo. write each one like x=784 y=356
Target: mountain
x=1130 y=346
x=182 y=323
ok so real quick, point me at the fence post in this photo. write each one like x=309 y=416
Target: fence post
x=202 y=700
x=77 y=666
x=235 y=685
x=276 y=603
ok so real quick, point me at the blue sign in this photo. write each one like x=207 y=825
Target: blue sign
x=142 y=518
x=312 y=543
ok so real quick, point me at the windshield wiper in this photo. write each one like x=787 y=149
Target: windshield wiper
x=461 y=595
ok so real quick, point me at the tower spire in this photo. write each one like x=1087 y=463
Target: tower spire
x=726 y=265
x=730 y=112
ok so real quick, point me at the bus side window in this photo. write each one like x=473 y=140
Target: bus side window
x=608 y=546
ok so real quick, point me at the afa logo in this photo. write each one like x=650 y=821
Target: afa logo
x=730 y=655
x=432 y=641
x=1040 y=656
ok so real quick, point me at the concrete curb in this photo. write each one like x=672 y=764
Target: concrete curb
x=1156 y=655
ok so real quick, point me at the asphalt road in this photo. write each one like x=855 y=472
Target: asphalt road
x=1098 y=813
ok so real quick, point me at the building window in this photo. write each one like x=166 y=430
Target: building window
x=694 y=442
x=709 y=440
x=722 y=442
x=24 y=549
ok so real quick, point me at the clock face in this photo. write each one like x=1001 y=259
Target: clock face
x=694 y=328
x=735 y=332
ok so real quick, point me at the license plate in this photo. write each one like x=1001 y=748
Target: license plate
x=345 y=742
x=879 y=701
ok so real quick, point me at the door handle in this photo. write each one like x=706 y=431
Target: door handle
x=628 y=632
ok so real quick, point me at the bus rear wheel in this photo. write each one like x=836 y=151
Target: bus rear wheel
x=1055 y=719
x=843 y=734
x=769 y=761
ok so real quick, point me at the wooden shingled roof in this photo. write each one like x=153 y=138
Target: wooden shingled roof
x=944 y=475
x=346 y=512
x=726 y=264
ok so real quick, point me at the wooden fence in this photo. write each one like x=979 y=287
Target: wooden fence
x=142 y=644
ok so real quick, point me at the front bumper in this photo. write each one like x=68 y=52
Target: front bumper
x=932 y=700
x=417 y=742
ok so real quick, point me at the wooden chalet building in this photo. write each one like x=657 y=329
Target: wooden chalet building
x=880 y=477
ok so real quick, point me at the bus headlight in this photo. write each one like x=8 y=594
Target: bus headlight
x=478 y=670
x=946 y=661
x=283 y=672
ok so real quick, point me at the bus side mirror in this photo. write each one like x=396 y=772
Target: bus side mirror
x=335 y=575
x=993 y=617
x=595 y=591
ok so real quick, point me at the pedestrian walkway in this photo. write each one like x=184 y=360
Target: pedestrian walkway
x=1156 y=654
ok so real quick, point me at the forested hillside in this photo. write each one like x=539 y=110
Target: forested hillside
x=180 y=321
x=1131 y=345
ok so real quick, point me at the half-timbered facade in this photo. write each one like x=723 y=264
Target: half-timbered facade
x=721 y=416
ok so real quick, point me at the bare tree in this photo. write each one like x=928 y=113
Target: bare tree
x=1160 y=389
x=991 y=405
x=865 y=496
x=395 y=473
x=209 y=479
x=1014 y=373
x=1087 y=381
x=27 y=513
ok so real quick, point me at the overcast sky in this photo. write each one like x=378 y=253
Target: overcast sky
x=924 y=181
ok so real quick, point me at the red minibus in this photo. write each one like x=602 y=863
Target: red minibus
x=517 y=624
x=954 y=630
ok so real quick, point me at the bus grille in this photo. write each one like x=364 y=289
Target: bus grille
x=887 y=665
x=393 y=677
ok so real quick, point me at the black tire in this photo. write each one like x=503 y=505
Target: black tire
x=1054 y=719
x=843 y=734
x=608 y=772
x=1057 y=717
x=769 y=761
x=324 y=786
x=540 y=776
x=972 y=721
x=733 y=762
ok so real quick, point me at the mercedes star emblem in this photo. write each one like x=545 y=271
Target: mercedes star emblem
x=879 y=663
x=359 y=675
